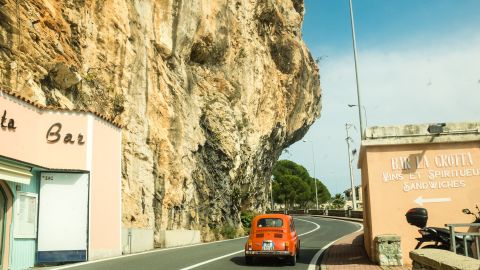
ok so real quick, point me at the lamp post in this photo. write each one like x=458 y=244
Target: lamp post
x=354 y=195
x=364 y=112
x=354 y=44
x=314 y=179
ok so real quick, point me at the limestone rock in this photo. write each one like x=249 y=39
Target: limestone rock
x=63 y=76
x=210 y=92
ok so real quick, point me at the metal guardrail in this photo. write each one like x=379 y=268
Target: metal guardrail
x=331 y=212
x=453 y=233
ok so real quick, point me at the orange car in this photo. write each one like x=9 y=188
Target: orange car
x=272 y=235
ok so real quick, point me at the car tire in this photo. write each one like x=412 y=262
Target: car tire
x=248 y=260
x=293 y=260
x=298 y=250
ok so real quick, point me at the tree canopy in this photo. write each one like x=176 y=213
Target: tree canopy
x=293 y=186
x=338 y=201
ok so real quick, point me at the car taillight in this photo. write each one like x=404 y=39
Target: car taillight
x=286 y=245
x=249 y=245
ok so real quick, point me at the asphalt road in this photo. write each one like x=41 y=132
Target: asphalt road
x=315 y=233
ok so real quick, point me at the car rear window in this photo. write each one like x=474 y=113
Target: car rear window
x=270 y=222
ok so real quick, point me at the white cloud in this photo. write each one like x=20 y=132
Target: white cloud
x=404 y=85
x=420 y=85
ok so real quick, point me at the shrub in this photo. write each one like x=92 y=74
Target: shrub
x=246 y=218
x=228 y=231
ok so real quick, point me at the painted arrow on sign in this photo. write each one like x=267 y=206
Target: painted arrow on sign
x=420 y=200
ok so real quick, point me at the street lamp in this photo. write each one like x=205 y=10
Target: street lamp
x=364 y=112
x=354 y=44
x=314 y=179
x=354 y=195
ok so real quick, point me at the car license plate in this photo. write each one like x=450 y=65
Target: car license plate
x=267 y=245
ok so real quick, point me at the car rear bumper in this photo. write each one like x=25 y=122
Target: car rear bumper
x=267 y=253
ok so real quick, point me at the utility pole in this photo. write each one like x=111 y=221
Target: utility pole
x=354 y=43
x=354 y=195
x=314 y=179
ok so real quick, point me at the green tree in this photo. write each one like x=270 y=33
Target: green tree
x=338 y=201
x=293 y=186
x=323 y=193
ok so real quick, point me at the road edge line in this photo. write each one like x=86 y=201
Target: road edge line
x=140 y=253
x=211 y=260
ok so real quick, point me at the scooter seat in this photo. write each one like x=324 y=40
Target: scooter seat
x=457 y=237
x=441 y=230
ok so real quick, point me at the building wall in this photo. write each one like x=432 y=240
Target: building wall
x=100 y=154
x=367 y=216
x=29 y=143
x=105 y=210
x=400 y=177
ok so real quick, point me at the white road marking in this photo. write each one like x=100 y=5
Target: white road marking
x=313 y=262
x=142 y=253
x=316 y=228
x=233 y=253
x=211 y=260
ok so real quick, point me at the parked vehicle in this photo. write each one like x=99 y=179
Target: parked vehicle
x=437 y=237
x=473 y=247
x=477 y=216
x=272 y=235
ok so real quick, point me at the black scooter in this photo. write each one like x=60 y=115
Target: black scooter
x=439 y=236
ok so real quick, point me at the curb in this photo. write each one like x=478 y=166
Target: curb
x=322 y=266
x=359 y=220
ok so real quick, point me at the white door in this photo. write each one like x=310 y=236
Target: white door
x=63 y=217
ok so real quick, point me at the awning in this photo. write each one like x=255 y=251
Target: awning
x=15 y=173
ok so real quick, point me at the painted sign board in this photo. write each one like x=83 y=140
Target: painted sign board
x=431 y=176
x=63 y=217
x=26 y=205
x=443 y=178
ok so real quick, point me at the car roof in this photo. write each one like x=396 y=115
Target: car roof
x=282 y=216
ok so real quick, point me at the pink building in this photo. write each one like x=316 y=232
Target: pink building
x=60 y=185
x=436 y=167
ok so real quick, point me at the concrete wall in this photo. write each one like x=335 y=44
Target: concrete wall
x=136 y=240
x=173 y=238
x=437 y=259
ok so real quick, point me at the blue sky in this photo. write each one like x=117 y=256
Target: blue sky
x=386 y=23
x=419 y=62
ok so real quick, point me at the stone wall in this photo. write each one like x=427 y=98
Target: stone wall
x=437 y=259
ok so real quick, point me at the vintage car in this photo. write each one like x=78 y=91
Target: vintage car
x=272 y=235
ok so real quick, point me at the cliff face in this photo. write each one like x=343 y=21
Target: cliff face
x=209 y=92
